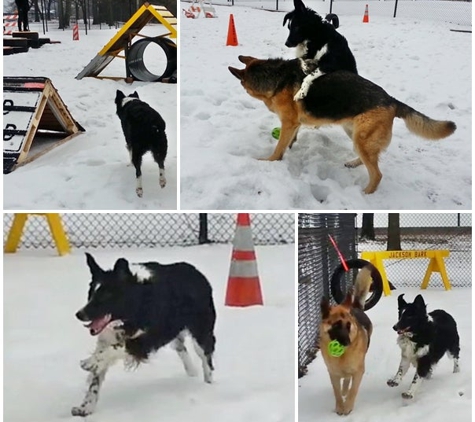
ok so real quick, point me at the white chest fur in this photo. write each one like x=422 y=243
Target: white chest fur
x=408 y=349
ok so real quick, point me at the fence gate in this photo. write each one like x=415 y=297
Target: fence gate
x=317 y=259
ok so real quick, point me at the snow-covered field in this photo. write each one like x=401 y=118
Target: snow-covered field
x=43 y=343
x=446 y=396
x=224 y=131
x=91 y=172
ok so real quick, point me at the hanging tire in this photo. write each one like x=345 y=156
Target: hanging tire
x=376 y=289
x=136 y=63
x=333 y=19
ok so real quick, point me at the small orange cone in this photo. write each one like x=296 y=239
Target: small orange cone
x=243 y=287
x=366 y=15
x=232 y=36
x=76 y=32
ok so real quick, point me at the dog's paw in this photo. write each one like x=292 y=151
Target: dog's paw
x=300 y=95
x=163 y=182
x=80 y=411
x=89 y=364
x=392 y=382
x=407 y=395
x=139 y=192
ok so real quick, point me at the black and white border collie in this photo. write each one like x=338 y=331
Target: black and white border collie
x=135 y=309
x=144 y=130
x=423 y=338
x=316 y=40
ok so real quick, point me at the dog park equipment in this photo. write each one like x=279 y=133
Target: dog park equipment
x=56 y=228
x=76 y=32
x=133 y=53
x=198 y=6
x=232 y=36
x=436 y=264
x=243 y=288
x=35 y=120
x=366 y=15
x=9 y=23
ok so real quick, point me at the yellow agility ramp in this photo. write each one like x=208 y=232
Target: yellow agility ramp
x=436 y=264
x=56 y=228
x=122 y=42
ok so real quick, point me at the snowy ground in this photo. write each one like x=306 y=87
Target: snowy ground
x=446 y=396
x=43 y=343
x=224 y=131
x=90 y=172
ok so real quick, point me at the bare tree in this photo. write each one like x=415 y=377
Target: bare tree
x=394 y=233
x=367 y=227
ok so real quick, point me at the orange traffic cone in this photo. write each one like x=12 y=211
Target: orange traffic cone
x=243 y=287
x=76 y=32
x=232 y=36
x=366 y=15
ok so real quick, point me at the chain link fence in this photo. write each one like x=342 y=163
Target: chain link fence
x=455 y=11
x=317 y=259
x=106 y=230
x=422 y=232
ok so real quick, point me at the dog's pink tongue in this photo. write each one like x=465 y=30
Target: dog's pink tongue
x=96 y=326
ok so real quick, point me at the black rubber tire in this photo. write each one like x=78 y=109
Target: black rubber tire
x=333 y=19
x=137 y=66
x=376 y=289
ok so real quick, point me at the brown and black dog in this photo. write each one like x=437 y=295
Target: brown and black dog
x=364 y=110
x=348 y=324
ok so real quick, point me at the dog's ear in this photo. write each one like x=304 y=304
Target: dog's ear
x=348 y=302
x=401 y=303
x=419 y=302
x=289 y=16
x=246 y=59
x=239 y=73
x=135 y=95
x=121 y=268
x=325 y=308
x=299 y=6
x=96 y=271
x=119 y=95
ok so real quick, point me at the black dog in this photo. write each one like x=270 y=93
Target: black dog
x=135 y=309
x=423 y=338
x=317 y=40
x=144 y=130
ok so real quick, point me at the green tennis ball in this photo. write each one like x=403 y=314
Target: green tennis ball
x=336 y=349
x=276 y=132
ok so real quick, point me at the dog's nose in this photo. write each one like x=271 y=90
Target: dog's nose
x=395 y=327
x=289 y=44
x=81 y=316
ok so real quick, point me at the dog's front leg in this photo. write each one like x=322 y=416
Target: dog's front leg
x=339 y=404
x=351 y=397
x=288 y=134
x=423 y=370
x=89 y=403
x=402 y=370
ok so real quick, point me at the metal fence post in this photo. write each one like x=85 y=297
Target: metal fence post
x=395 y=9
x=203 y=236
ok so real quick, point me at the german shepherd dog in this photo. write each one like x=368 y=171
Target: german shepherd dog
x=424 y=338
x=135 y=309
x=144 y=130
x=364 y=110
x=318 y=40
x=348 y=324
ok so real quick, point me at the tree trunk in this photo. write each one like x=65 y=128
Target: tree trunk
x=367 y=227
x=394 y=233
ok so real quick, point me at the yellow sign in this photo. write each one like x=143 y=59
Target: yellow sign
x=436 y=264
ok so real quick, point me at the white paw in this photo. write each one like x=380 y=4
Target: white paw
x=300 y=95
x=139 y=192
x=80 y=411
x=89 y=364
x=163 y=182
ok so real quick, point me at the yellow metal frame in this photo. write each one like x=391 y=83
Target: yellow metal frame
x=436 y=264
x=131 y=28
x=56 y=228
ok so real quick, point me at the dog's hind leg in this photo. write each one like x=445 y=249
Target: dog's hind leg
x=89 y=403
x=204 y=347
x=337 y=392
x=137 y=162
x=179 y=346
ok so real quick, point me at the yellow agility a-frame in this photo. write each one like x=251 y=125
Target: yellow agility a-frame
x=122 y=40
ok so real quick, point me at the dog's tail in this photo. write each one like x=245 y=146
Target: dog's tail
x=424 y=126
x=362 y=286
